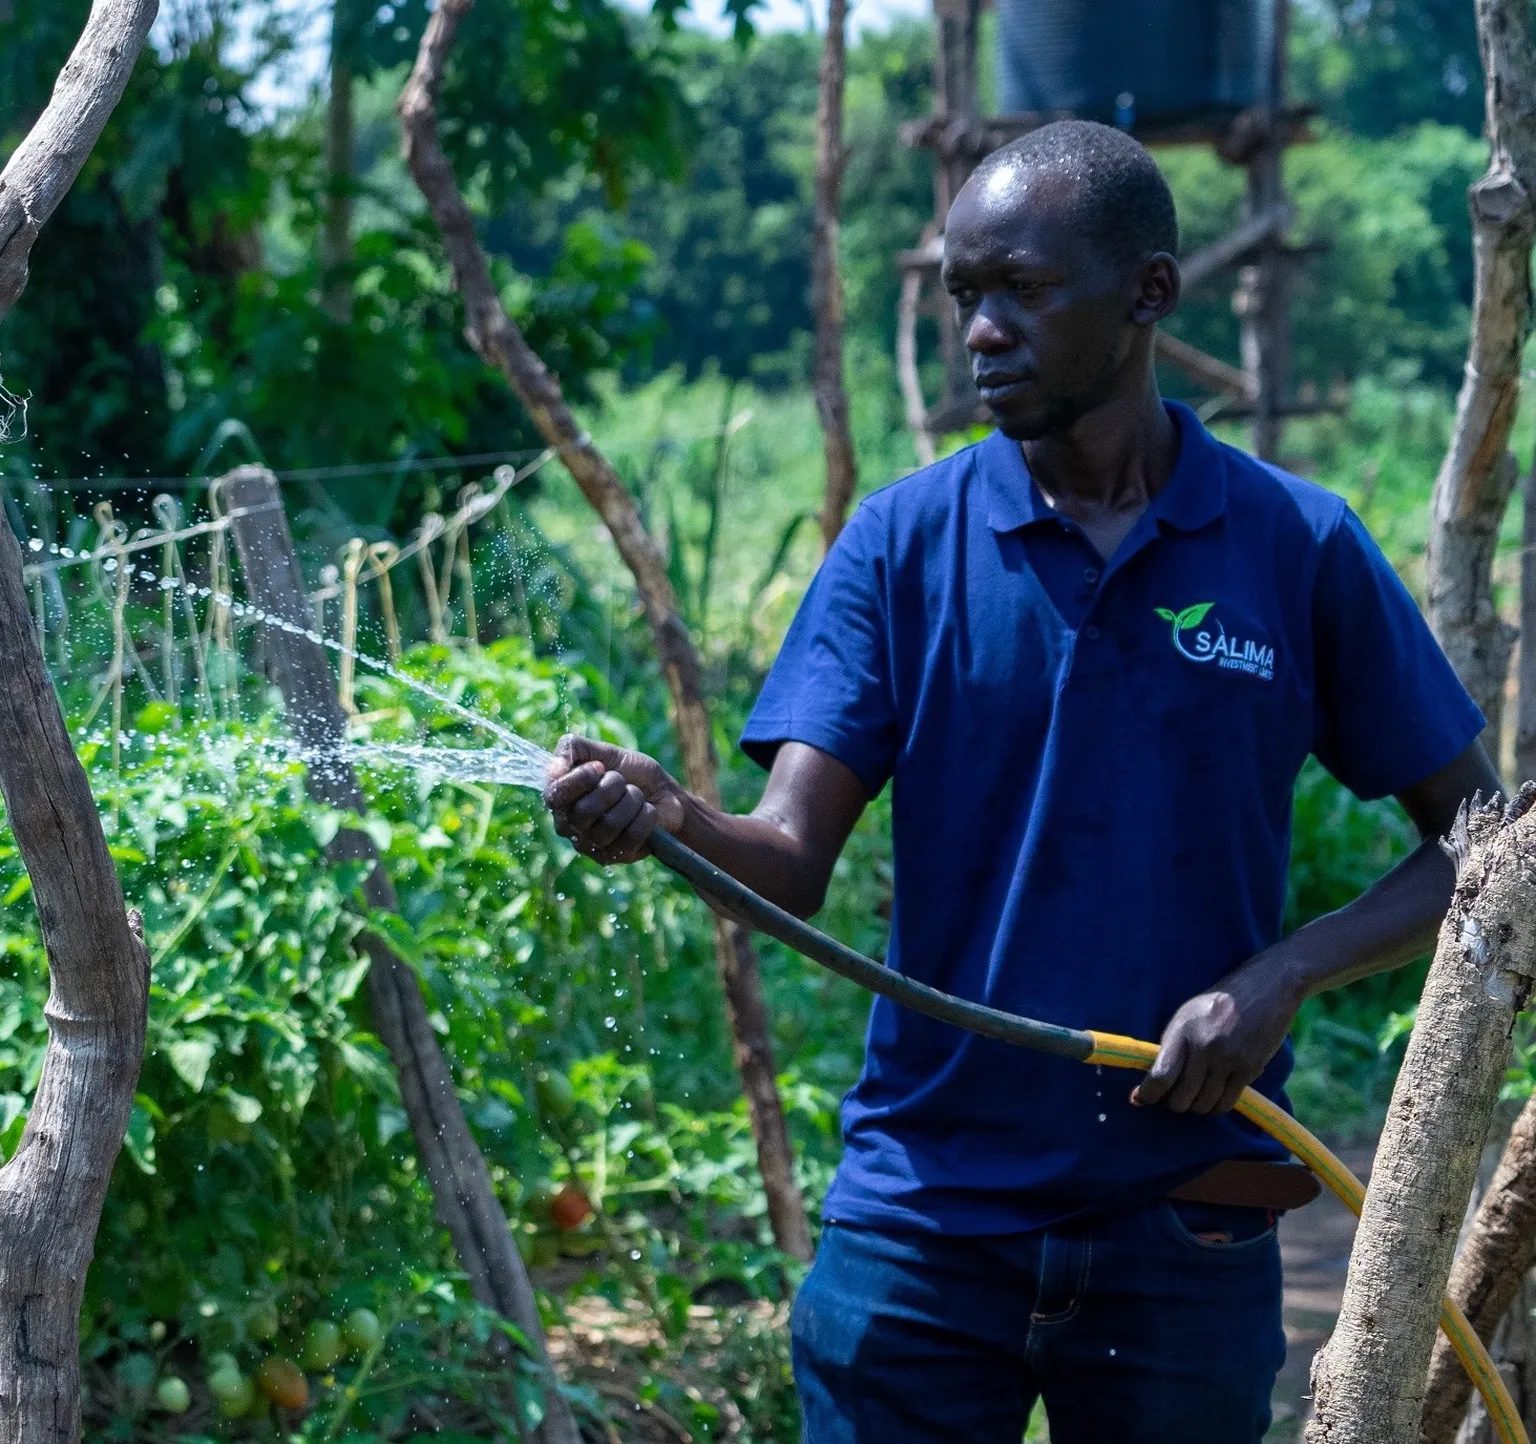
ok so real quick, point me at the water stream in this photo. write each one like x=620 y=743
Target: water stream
x=521 y=764
x=516 y=762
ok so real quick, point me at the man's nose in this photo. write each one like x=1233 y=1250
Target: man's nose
x=986 y=335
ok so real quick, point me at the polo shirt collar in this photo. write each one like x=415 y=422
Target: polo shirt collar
x=1194 y=496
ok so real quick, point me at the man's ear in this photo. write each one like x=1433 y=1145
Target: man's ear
x=1157 y=295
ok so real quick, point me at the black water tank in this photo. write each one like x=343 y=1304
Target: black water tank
x=1133 y=62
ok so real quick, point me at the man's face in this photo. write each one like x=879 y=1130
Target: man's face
x=1047 y=318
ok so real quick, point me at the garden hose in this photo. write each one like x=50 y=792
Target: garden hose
x=1104 y=1049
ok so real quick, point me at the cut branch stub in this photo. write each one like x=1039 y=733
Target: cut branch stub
x=498 y=341
x=1368 y=1381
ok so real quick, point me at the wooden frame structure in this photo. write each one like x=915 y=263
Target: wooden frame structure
x=1254 y=139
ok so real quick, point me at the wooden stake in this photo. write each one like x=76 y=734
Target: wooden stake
x=1478 y=474
x=826 y=283
x=497 y=339
x=456 y=1171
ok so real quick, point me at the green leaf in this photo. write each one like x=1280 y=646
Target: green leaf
x=140 y=1139
x=1165 y=614
x=1193 y=616
x=243 y=1108
x=190 y=1058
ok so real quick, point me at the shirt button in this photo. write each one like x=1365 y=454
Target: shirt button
x=1091 y=575
x=1091 y=632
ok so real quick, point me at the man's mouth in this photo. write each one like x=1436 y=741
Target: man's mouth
x=1000 y=386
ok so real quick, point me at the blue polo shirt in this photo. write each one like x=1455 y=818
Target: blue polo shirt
x=1092 y=766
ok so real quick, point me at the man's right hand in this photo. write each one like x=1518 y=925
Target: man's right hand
x=608 y=800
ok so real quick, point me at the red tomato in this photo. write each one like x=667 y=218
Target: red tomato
x=282 y=1383
x=569 y=1209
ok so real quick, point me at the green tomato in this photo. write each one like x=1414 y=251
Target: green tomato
x=217 y=1364
x=261 y=1321
x=322 y=1345
x=362 y=1330
x=236 y=1396
x=556 y=1097
x=172 y=1395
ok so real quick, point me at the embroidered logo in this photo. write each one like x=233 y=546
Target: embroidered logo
x=1200 y=644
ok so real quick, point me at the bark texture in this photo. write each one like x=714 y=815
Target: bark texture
x=1487 y=1276
x=1368 y=1381
x=1525 y=721
x=1478 y=474
x=500 y=343
x=52 y=1190
x=462 y=1192
x=44 y=166
x=336 y=238
x=826 y=283
x=53 y=1187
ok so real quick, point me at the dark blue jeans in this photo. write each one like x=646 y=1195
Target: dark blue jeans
x=1139 y=1328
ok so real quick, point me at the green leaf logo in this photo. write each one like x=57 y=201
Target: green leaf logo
x=1165 y=614
x=1193 y=616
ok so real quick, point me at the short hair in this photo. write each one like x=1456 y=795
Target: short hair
x=1122 y=200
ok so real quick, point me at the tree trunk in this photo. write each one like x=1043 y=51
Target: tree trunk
x=1263 y=297
x=52 y=1190
x=336 y=238
x=497 y=339
x=44 y=166
x=1368 y=1380
x=461 y=1184
x=1499 y=1251
x=1478 y=474
x=826 y=284
x=1525 y=721
x=1470 y=495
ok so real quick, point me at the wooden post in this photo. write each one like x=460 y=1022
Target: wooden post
x=52 y=1190
x=42 y=168
x=1368 y=1381
x=53 y=1187
x=826 y=283
x=954 y=96
x=1263 y=300
x=336 y=237
x=1486 y=1278
x=461 y=1184
x=1525 y=719
x=500 y=343
x=1478 y=474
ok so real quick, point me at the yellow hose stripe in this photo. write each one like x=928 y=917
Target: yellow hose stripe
x=1110 y=1050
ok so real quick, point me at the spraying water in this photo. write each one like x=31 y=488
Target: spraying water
x=516 y=762
x=519 y=764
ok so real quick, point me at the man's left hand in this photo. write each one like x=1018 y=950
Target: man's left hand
x=1220 y=1041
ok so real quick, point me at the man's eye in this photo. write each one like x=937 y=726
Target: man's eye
x=963 y=297
x=1025 y=290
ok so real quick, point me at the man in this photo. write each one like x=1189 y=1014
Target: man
x=1091 y=654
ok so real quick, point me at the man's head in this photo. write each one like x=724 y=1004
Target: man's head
x=1059 y=255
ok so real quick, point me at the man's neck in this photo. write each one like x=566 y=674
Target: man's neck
x=1111 y=461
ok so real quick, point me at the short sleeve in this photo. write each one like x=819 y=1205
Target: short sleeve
x=1390 y=709
x=830 y=686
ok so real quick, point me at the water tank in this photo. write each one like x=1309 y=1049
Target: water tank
x=1134 y=62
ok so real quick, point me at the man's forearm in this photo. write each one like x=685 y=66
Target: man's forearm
x=1390 y=924
x=759 y=852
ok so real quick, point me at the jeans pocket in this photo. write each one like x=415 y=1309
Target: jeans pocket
x=1220 y=1228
